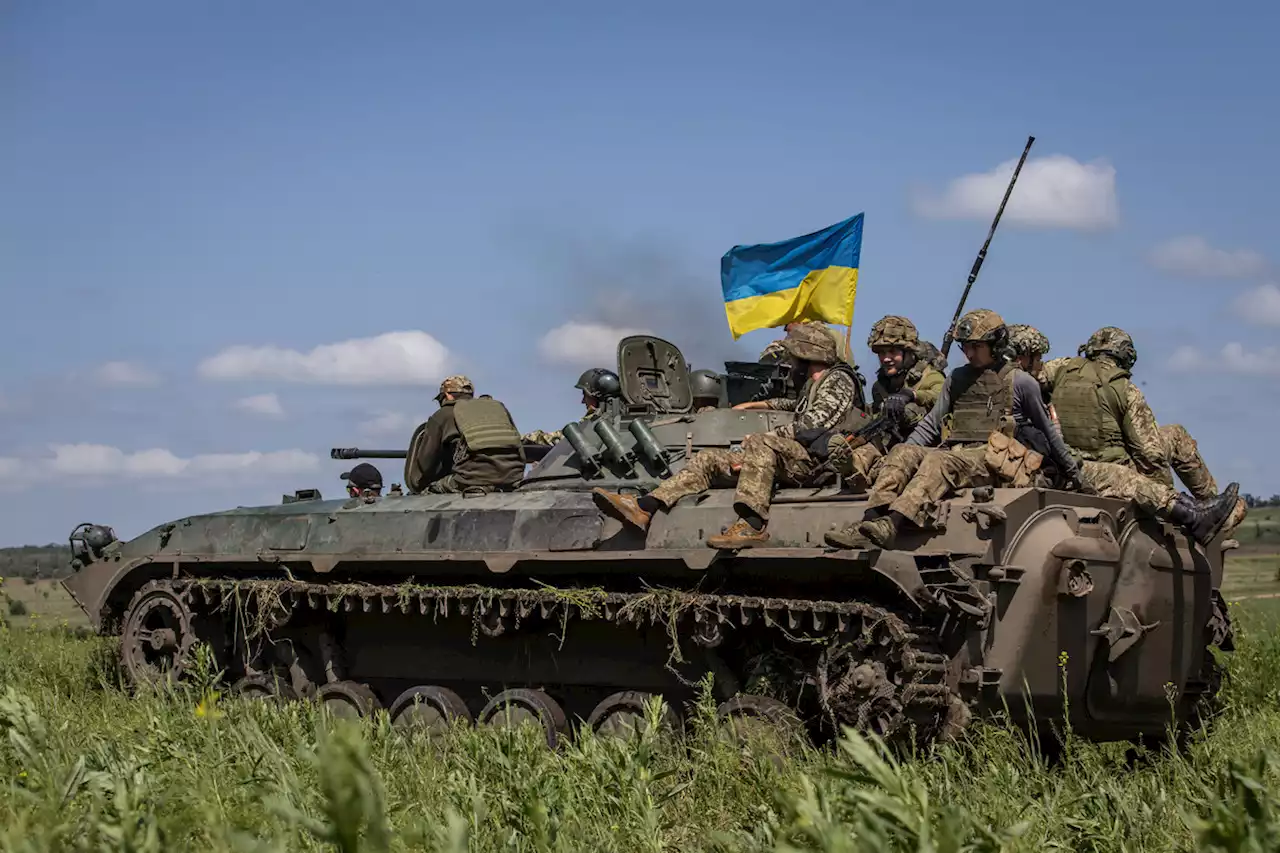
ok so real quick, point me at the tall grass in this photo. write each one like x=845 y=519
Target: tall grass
x=88 y=766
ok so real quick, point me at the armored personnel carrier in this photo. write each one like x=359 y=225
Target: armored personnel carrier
x=531 y=605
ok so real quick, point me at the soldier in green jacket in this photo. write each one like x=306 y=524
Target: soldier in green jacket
x=905 y=389
x=469 y=444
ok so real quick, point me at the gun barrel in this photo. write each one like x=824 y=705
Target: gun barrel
x=357 y=453
x=533 y=452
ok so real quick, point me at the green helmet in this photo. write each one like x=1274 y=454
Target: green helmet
x=931 y=355
x=1027 y=340
x=811 y=343
x=985 y=326
x=893 y=331
x=1114 y=342
x=705 y=384
x=599 y=383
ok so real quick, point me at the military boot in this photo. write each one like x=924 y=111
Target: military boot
x=847 y=537
x=625 y=508
x=740 y=534
x=1203 y=519
x=881 y=531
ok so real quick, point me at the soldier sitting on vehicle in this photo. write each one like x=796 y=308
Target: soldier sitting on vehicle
x=598 y=385
x=1105 y=417
x=827 y=401
x=469 y=444
x=1027 y=348
x=905 y=389
x=776 y=351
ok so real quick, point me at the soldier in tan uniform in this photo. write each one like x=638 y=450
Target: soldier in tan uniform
x=469 y=444
x=827 y=401
x=1104 y=416
x=905 y=389
x=777 y=351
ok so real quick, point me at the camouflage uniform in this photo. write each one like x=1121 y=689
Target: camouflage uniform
x=974 y=404
x=765 y=459
x=921 y=379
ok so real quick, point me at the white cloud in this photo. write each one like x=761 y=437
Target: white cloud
x=1260 y=306
x=264 y=405
x=584 y=344
x=1192 y=256
x=1052 y=192
x=126 y=373
x=9 y=467
x=394 y=358
x=100 y=460
x=1232 y=358
x=390 y=423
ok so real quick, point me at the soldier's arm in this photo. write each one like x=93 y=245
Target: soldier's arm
x=1142 y=438
x=423 y=458
x=834 y=400
x=929 y=388
x=781 y=404
x=929 y=431
x=1029 y=402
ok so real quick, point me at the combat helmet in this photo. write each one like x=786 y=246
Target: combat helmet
x=809 y=343
x=1024 y=340
x=893 y=331
x=1112 y=341
x=985 y=326
x=705 y=384
x=930 y=354
x=600 y=383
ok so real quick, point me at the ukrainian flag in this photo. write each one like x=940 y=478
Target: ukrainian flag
x=814 y=277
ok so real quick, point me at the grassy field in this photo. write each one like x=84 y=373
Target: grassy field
x=87 y=766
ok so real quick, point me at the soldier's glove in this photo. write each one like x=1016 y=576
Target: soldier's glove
x=1076 y=484
x=895 y=405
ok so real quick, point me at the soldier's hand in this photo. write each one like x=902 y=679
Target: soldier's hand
x=895 y=405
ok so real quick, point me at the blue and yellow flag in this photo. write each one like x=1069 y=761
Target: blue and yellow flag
x=814 y=277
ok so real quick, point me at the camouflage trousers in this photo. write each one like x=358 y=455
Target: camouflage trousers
x=1184 y=455
x=862 y=466
x=912 y=479
x=539 y=436
x=765 y=460
x=1111 y=480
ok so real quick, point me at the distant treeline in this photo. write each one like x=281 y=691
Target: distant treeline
x=1253 y=500
x=35 y=561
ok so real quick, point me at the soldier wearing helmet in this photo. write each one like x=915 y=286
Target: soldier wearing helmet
x=598 y=385
x=705 y=386
x=1027 y=347
x=906 y=388
x=776 y=351
x=469 y=444
x=827 y=401
x=985 y=397
x=1105 y=417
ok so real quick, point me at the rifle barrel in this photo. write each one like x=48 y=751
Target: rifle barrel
x=982 y=253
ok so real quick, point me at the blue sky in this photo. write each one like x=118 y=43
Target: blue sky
x=198 y=196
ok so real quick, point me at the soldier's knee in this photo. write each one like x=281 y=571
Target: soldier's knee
x=754 y=441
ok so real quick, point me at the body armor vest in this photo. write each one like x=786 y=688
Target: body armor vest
x=1090 y=398
x=981 y=403
x=486 y=425
x=854 y=417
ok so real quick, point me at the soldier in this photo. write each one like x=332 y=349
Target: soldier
x=826 y=402
x=1105 y=417
x=361 y=477
x=705 y=385
x=468 y=444
x=906 y=388
x=597 y=385
x=986 y=397
x=1028 y=346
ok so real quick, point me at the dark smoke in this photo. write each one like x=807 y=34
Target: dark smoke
x=641 y=283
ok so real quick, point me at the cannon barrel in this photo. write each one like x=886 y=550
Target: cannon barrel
x=532 y=452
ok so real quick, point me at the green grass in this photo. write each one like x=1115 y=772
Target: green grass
x=1261 y=527
x=46 y=603
x=87 y=766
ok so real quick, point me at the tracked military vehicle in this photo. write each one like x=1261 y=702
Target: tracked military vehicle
x=531 y=605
